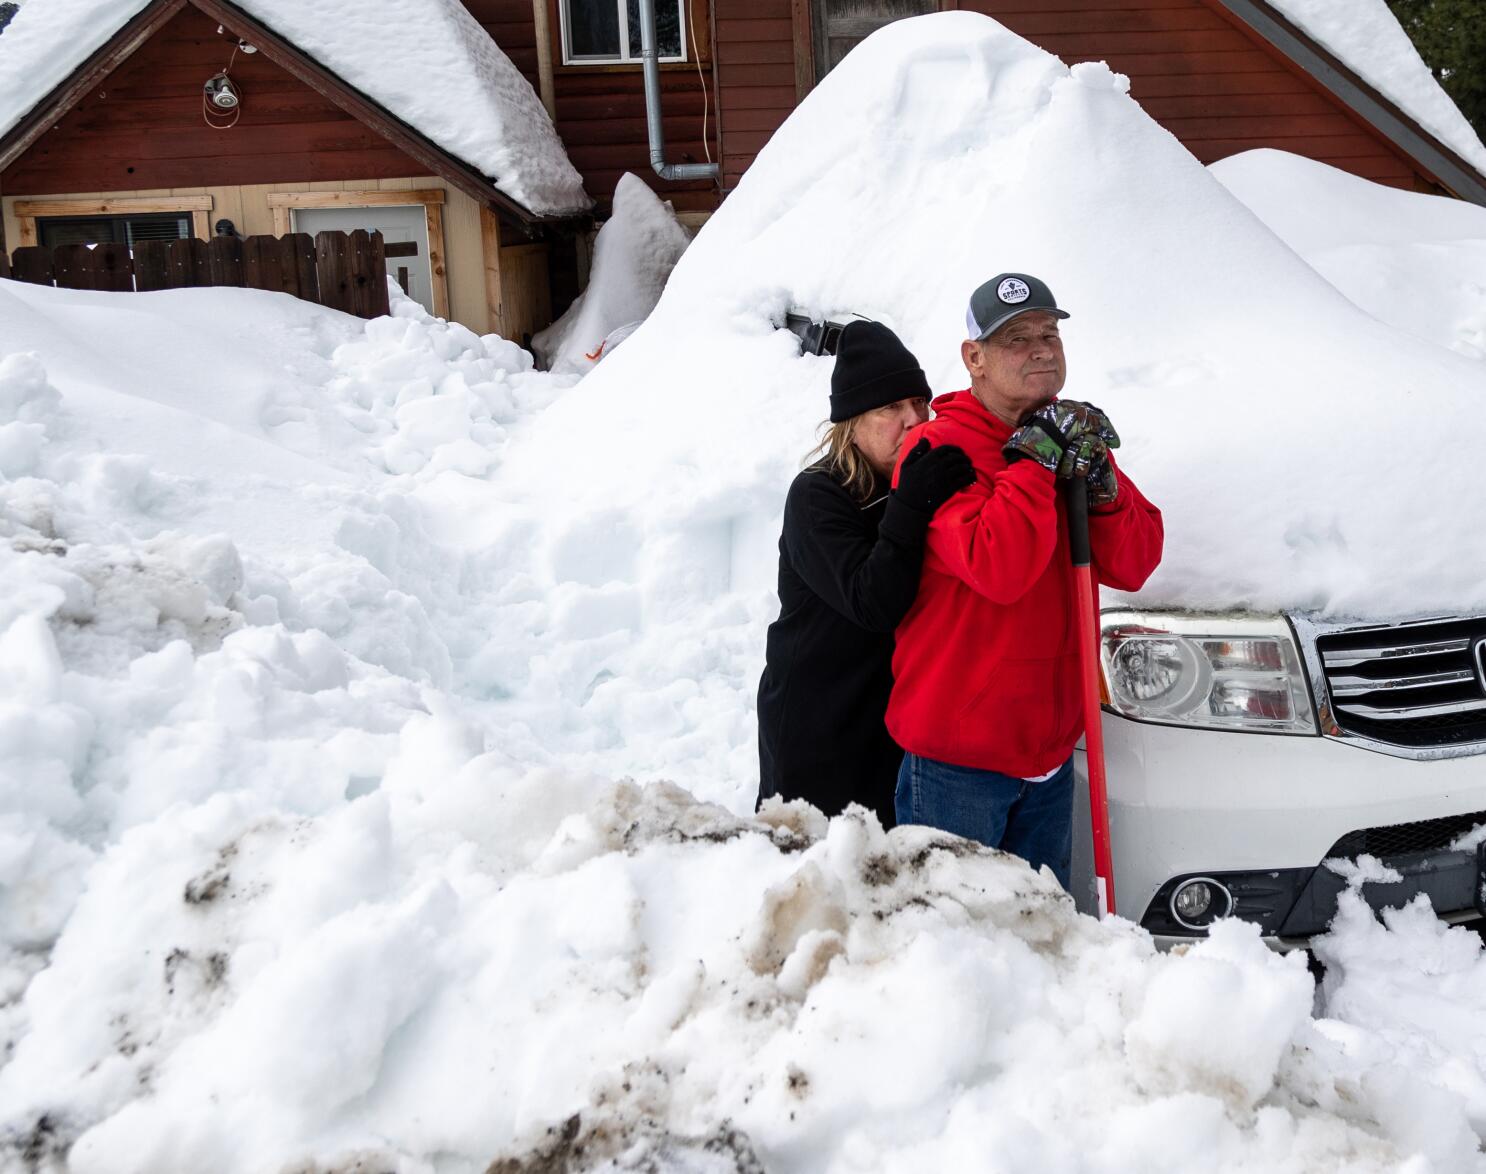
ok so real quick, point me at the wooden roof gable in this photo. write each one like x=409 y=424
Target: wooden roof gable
x=134 y=33
x=1435 y=158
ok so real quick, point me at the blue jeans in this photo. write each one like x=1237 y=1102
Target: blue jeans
x=1030 y=820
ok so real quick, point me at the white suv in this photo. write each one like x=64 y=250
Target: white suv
x=1243 y=750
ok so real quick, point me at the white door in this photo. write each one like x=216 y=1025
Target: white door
x=404 y=230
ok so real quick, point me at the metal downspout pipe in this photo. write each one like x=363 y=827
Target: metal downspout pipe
x=651 y=61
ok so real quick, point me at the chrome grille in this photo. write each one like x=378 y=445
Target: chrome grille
x=1420 y=684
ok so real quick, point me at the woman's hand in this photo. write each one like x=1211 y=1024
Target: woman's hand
x=931 y=476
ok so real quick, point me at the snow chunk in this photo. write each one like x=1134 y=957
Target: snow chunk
x=635 y=251
x=1184 y=1037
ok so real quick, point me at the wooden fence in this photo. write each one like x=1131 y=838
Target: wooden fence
x=345 y=271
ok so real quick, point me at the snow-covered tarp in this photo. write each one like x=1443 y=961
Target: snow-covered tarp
x=1367 y=36
x=427 y=61
x=376 y=748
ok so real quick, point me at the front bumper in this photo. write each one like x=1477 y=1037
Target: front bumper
x=1268 y=809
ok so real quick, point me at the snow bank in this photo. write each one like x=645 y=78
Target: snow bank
x=279 y=896
x=951 y=150
x=1414 y=261
x=426 y=61
x=635 y=251
x=1367 y=36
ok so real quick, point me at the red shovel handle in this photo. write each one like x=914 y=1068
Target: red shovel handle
x=1087 y=607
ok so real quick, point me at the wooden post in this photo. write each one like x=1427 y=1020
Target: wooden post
x=330 y=270
x=33 y=264
x=301 y=274
x=225 y=260
x=373 y=289
x=151 y=266
x=262 y=265
x=189 y=265
x=362 y=264
x=72 y=267
x=490 y=250
x=113 y=268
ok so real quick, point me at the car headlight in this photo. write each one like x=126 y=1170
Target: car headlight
x=1227 y=672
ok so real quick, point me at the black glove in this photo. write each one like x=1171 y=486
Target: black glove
x=931 y=476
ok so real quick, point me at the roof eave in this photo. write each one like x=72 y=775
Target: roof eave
x=70 y=91
x=412 y=142
x=1443 y=164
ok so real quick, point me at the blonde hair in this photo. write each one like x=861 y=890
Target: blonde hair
x=838 y=454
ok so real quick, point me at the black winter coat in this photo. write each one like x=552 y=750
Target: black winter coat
x=847 y=575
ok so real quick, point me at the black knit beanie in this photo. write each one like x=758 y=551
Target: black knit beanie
x=873 y=369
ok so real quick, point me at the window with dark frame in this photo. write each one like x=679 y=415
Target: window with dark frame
x=102 y=230
x=606 y=32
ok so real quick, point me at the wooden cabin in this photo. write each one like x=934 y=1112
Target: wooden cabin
x=122 y=140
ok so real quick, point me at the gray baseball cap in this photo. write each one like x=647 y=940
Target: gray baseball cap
x=1002 y=298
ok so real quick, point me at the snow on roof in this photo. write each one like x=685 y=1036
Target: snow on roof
x=1368 y=37
x=427 y=61
x=1260 y=408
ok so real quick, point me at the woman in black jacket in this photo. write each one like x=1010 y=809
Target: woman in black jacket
x=849 y=561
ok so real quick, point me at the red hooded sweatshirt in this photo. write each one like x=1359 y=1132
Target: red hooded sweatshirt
x=986 y=672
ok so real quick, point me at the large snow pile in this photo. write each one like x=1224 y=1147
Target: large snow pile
x=1367 y=36
x=319 y=691
x=426 y=61
x=633 y=255
x=1224 y=359
x=1414 y=261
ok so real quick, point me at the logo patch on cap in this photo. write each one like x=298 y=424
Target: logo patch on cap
x=1013 y=290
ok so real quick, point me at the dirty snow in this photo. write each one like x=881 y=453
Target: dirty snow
x=426 y=61
x=1367 y=36
x=376 y=751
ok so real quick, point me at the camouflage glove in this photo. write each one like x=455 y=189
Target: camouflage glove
x=1075 y=419
x=1104 y=483
x=1064 y=439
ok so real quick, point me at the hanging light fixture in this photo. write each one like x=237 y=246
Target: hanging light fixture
x=221 y=97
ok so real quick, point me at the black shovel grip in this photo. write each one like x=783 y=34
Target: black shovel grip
x=1077 y=491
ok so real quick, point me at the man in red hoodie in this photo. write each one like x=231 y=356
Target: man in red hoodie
x=986 y=695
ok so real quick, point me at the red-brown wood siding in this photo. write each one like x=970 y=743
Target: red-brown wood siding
x=143 y=127
x=601 y=118
x=1194 y=68
x=755 y=77
x=511 y=26
x=601 y=110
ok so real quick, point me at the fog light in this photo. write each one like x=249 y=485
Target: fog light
x=1199 y=902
